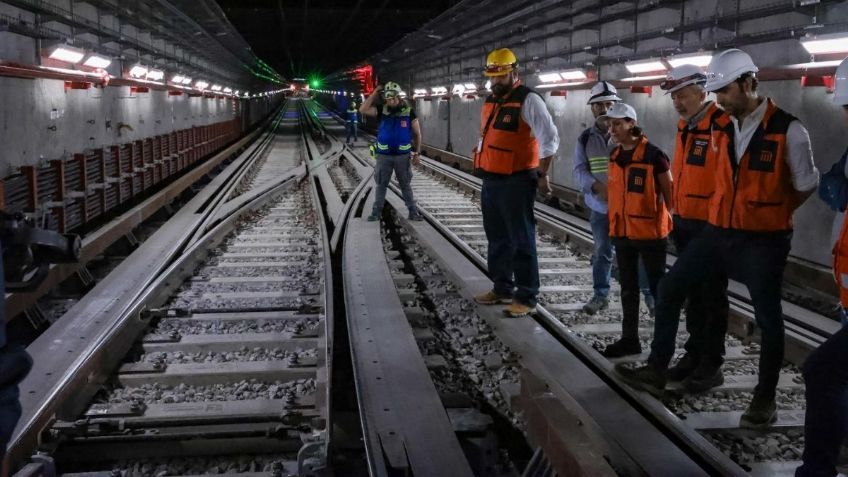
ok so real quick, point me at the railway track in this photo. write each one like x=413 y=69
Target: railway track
x=220 y=357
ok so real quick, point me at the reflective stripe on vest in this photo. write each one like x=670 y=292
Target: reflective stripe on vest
x=395 y=132
x=508 y=145
x=697 y=155
x=636 y=208
x=757 y=195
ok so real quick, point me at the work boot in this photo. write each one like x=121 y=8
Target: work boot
x=373 y=217
x=492 y=298
x=416 y=217
x=622 y=347
x=651 y=304
x=760 y=413
x=683 y=368
x=644 y=378
x=516 y=309
x=703 y=379
x=596 y=304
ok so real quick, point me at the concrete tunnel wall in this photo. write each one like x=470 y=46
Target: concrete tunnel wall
x=814 y=223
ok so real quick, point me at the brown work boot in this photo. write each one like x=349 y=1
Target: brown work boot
x=517 y=309
x=492 y=298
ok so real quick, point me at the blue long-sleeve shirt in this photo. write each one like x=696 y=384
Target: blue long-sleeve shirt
x=591 y=162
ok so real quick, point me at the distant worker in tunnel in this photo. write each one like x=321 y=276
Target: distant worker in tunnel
x=765 y=174
x=640 y=198
x=517 y=142
x=826 y=369
x=398 y=146
x=351 y=120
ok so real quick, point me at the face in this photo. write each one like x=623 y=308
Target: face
x=688 y=101
x=733 y=99
x=502 y=84
x=393 y=101
x=619 y=129
x=601 y=108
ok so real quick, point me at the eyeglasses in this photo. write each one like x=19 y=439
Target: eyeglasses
x=497 y=69
x=390 y=95
x=673 y=83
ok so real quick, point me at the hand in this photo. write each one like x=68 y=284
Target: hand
x=378 y=88
x=474 y=150
x=545 y=186
x=600 y=189
x=416 y=159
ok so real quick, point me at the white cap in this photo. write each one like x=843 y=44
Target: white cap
x=621 y=111
x=726 y=66
x=603 y=91
x=681 y=77
x=840 y=93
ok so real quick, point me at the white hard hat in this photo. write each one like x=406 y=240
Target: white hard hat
x=681 y=77
x=603 y=91
x=726 y=66
x=840 y=93
x=620 y=111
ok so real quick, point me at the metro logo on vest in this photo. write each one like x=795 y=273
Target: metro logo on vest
x=507 y=145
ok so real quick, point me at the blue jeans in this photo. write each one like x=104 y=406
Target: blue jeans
x=402 y=168
x=757 y=260
x=826 y=422
x=602 y=257
x=510 y=226
x=350 y=127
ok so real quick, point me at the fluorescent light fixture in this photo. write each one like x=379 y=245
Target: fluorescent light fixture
x=815 y=64
x=187 y=80
x=470 y=87
x=458 y=89
x=216 y=87
x=645 y=66
x=155 y=75
x=489 y=85
x=177 y=79
x=439 y=90
x=138 y=71
x=418 y=93
x=200 y=84
x=67 y=54
x=97 y=61
x=228 y=90
x=698 y=59
x=643 y=78
x=832 y=43
x=577 y=74
x=549 y=77
x=236 y=93
x=562 y=84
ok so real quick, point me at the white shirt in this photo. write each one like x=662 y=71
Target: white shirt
x=536 y=115
x=799 y=154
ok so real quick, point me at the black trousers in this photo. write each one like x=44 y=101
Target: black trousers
x=707 y=306
x=627 y=253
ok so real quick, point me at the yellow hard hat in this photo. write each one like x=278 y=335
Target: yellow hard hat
x=500 y=62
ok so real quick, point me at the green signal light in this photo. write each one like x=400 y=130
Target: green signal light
x=315 y=83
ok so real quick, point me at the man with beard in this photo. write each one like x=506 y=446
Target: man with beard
x=516 y=129
x=398 y=140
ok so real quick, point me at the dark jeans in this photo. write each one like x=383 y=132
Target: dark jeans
x=350 y=127
x=627 y=253
x=602 y=257
x=826 y=422
x=707 y=308
x=755 y=259
x=402 y=168
x=510 y=226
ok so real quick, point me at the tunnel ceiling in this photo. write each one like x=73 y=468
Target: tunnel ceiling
x=304 y=38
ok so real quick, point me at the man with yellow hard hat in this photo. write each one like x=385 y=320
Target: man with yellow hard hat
x=517 y=141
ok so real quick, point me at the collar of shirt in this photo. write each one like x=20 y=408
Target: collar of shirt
x=749 y=127
x=692 y=123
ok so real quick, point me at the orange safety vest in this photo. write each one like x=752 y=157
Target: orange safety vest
x=840 y=263
x=636 y=208
x=757 y=194
x=697 y=154
x=507 y=144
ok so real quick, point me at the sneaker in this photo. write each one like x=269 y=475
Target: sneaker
x=760 y=413
x=373 y=217
x=517 y=309
x=492 y=298
x=621 y=348
x=644 y=378
x=682 y=369
x=702 y=380
x=651 y=304
x=416 y=217
x=596 y=304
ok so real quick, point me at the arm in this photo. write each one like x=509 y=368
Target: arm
x=799 y=156
x=416 y=142
x=535 y=113
x=664 y=180
x=580 y=171
x=367 y=108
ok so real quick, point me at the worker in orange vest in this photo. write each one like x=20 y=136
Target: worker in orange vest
x=517 y=141
x=765 y=173
x=639 y=197
x=826 y=369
